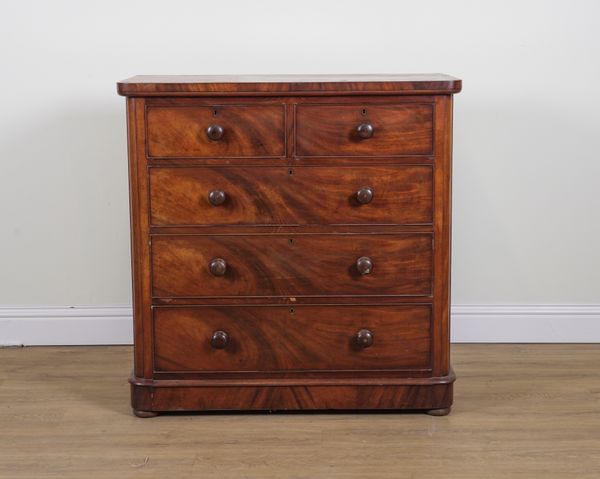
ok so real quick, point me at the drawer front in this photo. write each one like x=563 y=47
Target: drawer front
x=292 y=265
x=387 y=130
x=302 y=195
x=216 y=131
x=302 y=338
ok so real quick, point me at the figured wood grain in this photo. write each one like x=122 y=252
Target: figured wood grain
x=288 y=195
x=275 y=265
x=273 y=338
x=140 y=248
x=331 y=130
x=186 y=85
x=288 y=398
x=249 y=130
x=442 y=228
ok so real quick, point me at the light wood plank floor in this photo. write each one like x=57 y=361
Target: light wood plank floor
x=523 y=411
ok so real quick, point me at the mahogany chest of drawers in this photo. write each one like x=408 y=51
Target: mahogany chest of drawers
x=290 y=242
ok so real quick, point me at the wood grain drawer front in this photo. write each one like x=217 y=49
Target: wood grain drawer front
x=280 y=338
x=216 y=131
x=292 y=265
x=364 y=130
x=302 y=195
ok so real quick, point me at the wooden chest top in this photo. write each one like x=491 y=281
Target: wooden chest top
x=216 y=85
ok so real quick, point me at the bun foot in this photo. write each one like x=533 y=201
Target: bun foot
x=439 y=412
x=145 y=413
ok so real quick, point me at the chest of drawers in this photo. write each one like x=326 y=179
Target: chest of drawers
x=290 y=242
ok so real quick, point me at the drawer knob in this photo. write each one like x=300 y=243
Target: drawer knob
x=364 y=338
x=364 y=195
x=218 y=267
x=219 y=340
x=217 y=197
x=364 y=265
x=365 y=130
x=215 y=132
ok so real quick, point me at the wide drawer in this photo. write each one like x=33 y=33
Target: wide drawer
x=292 y=264
x=216 y=131
x=401 y=194
x=302 y=338
x=364 y=130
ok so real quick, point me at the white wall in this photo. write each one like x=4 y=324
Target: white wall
x=527 y=131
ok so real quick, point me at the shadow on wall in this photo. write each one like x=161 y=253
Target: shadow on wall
x=65 y=197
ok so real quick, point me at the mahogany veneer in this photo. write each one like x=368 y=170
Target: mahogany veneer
x=173 y=131
x=290 y=242
x=292 y=196
x=271 y=339
x=292 y=265
x=402 y=129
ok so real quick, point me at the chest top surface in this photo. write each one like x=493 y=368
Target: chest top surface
x=203 y=85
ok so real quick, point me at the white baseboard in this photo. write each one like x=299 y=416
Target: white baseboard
x=573 y=323
x=82 y=325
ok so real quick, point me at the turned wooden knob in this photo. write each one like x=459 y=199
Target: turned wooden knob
x=219 y=340
x=217 y=197
x=364 y=264
x=218 y=267
x=364 y=338
x=215 y=132
x=365 y=130
x=364 y=195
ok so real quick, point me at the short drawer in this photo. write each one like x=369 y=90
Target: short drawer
x=302 y=338
x=216 y=131
x=400 y=194
x=364 y=130
x=292 y=265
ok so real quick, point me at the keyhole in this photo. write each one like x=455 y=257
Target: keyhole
x=215 y=112
x=364 y=112
x=292 y=310
x=291 y=172
x=291 y=241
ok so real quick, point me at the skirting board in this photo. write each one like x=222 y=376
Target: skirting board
x=83 y=325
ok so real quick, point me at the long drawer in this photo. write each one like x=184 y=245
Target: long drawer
x=302 y=338
x=292 y=265
x=399 y=194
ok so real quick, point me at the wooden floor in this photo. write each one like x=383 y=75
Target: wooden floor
x=521 y=411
